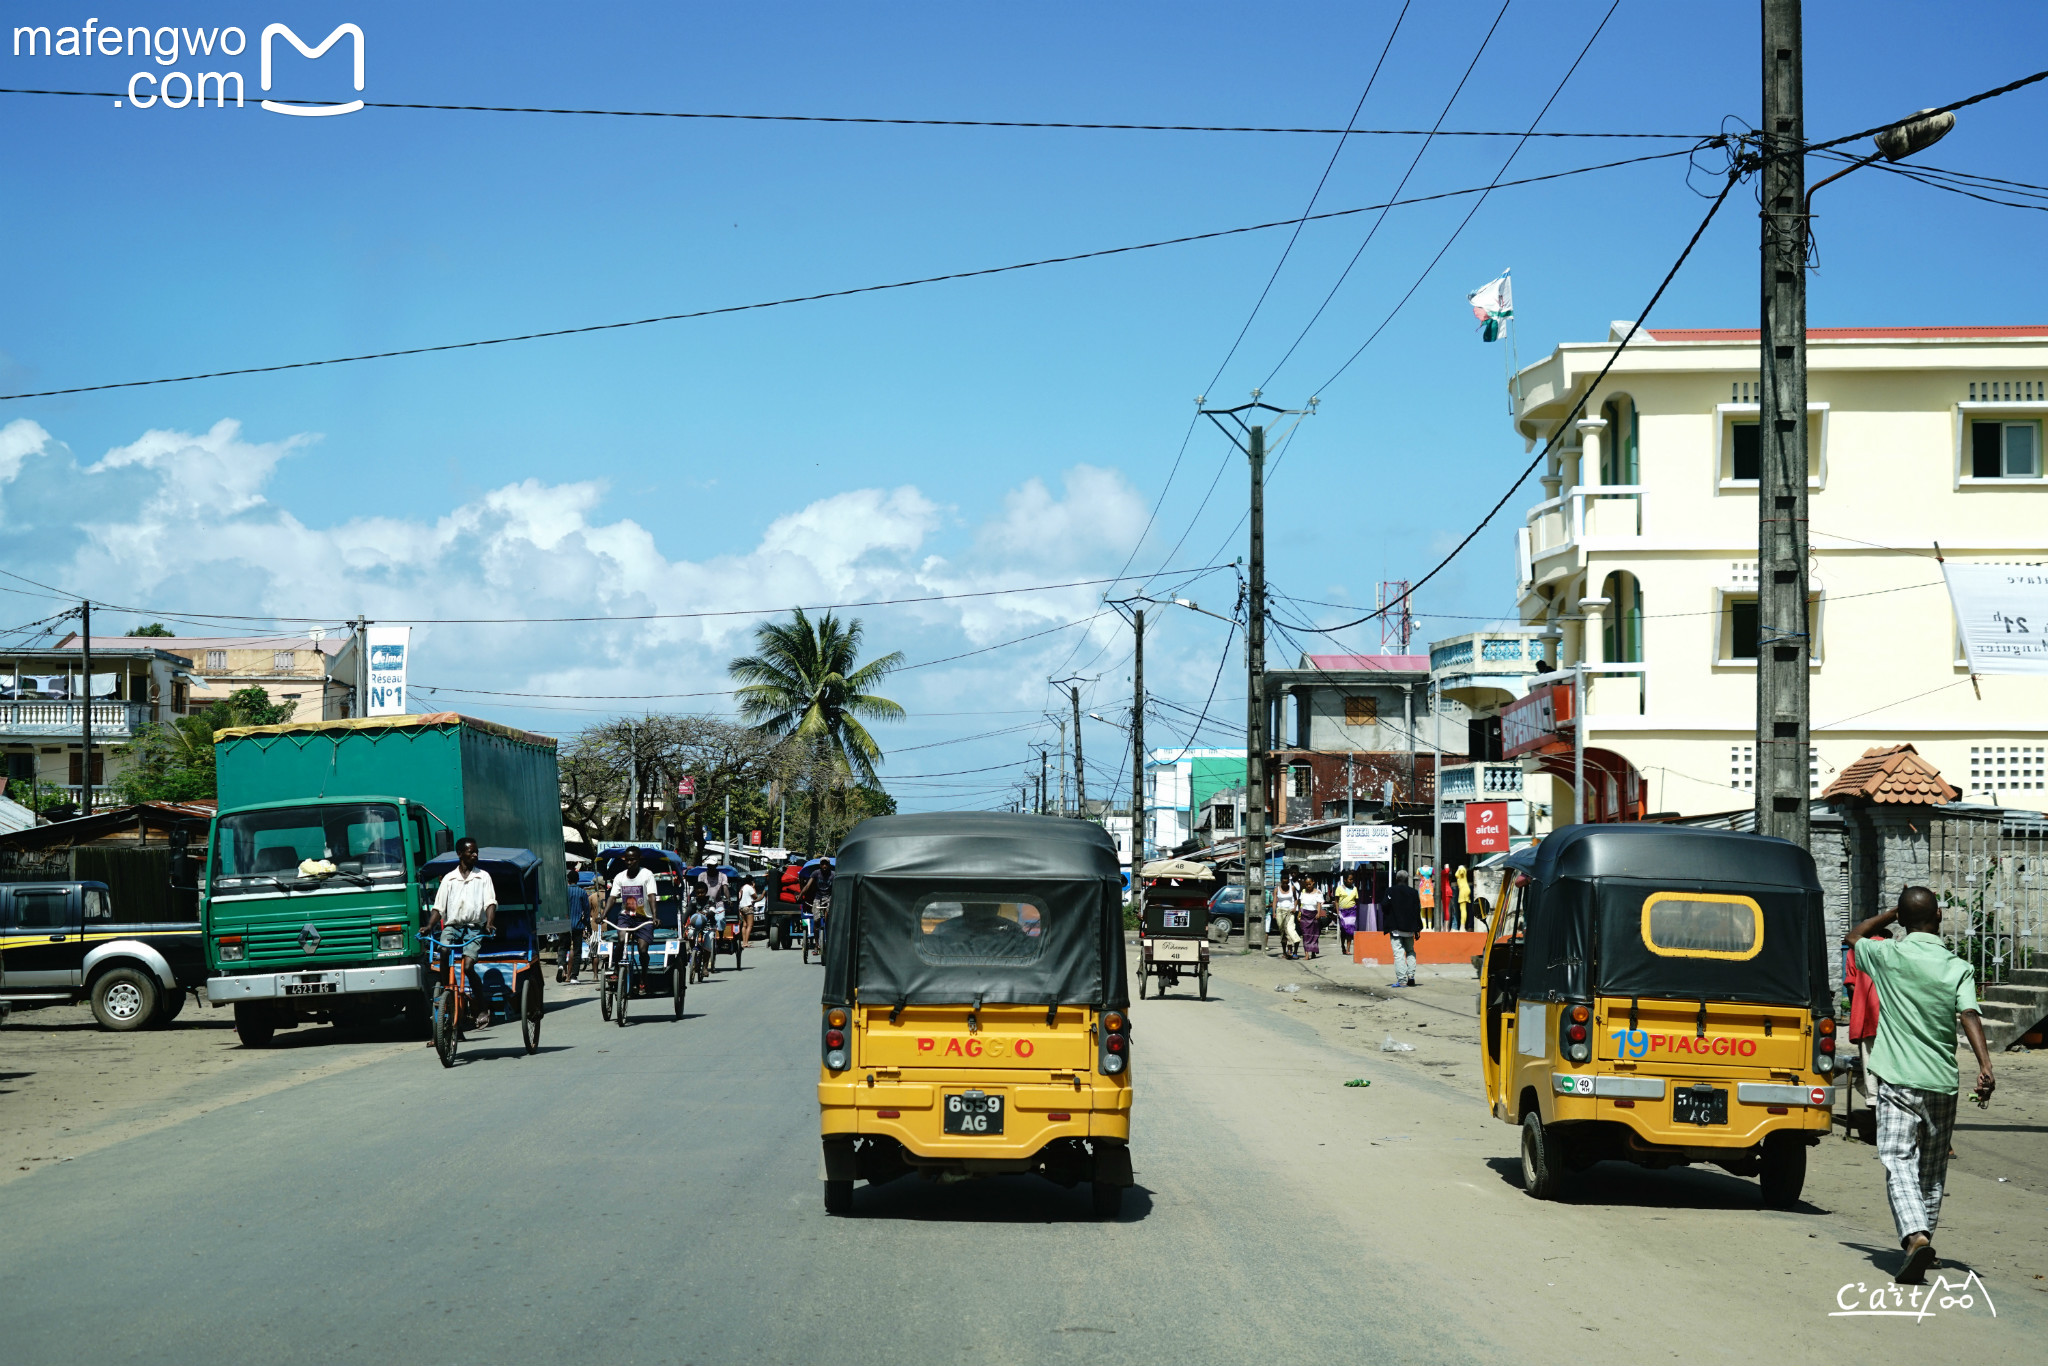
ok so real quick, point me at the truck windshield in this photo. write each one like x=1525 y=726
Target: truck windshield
x=358 y=837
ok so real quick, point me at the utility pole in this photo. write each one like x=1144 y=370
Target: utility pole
x=1061 y=722
x=1041 y=779
x=1436 y=797
x=1350 y=792
x=1137 y=746
x=1073 y=686
x=85 y=765
x=633 y=810
x=1784 y=642
x=1255 y=705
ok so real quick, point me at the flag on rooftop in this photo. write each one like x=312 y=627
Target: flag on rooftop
x=1493 y=303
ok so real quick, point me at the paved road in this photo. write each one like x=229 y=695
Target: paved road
x=397 y=1211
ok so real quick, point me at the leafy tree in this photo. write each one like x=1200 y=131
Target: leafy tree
x=172 y=761
x=804 y=682
x=155 y=628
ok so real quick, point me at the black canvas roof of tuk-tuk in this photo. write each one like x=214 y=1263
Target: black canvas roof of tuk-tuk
x=1583 y=915
x=889 y=863
x=515 y=873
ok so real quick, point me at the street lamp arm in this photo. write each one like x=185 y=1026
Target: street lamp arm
x=1895 y=143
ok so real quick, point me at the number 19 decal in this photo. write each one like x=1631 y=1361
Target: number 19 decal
x=1631 y=1043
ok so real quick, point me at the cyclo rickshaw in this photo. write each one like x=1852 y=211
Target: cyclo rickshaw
x=1173 y=930
x=1659 y=995
x=620 y=977
x=975 y=1018
x=508 y=976
x=725 y=938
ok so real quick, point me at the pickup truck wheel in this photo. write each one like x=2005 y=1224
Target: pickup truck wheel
x=254 y=1028
x=124 y=998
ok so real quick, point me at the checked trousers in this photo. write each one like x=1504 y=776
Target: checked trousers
x=1913 y=1132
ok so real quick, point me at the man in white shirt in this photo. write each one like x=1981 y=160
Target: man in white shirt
x=467 y=905
x=633 y=892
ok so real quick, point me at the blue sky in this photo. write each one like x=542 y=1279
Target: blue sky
x=974 y=434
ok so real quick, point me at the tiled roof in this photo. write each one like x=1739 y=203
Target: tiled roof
x=1894 y=774
x=1749 y=334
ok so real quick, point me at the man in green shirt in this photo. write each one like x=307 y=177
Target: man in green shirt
x=1922 y=989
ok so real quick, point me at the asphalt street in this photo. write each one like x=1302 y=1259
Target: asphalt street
x=650 y=1194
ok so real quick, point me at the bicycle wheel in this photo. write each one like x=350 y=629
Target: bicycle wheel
x=679 y=985
x=446 y=1026
x=624 y=993
x=604 y=994
x=529 y=1013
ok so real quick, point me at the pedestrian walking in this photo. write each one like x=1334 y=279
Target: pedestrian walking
x=579 y=925
x=1862 y=1014
x=1923 y=990
x=1311 y=915
x=1346 y=897
x=1403 y=915
x=1290 y=927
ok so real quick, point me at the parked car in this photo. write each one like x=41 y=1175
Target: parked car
x=1228 y=904
x=60 y=944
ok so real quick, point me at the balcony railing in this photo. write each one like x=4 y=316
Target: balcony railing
x=1584 y=510
x=1478 y=782
x=110 y=720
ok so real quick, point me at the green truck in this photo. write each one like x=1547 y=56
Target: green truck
x=375 y=798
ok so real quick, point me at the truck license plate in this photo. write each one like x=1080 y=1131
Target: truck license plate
x=1700 y=1105
x=974 y=1113
x=316 y=986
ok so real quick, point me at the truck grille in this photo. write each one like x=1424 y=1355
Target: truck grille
x=337 y=942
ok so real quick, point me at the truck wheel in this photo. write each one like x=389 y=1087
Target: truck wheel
x=253 y=1027
x=124 y=998
x=838 y=1197
x=1542 y=1158
x=1783 y=1174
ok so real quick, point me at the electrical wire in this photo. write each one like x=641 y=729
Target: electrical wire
x=909 y=123
x=1978 y=98
x=815 y=298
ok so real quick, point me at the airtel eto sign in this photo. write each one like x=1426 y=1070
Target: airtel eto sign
x=1486 y=827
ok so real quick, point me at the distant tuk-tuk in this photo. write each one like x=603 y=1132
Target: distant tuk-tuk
x=1659 y=995
x=976 y=1016
x=1173 y=924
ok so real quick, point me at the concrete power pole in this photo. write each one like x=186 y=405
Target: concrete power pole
x=85 y=712
x=1137 y=746
x=1784 y=642
x=1080 y=782
x=1255 y=705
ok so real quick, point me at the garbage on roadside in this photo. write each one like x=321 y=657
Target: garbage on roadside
x=1291 y=988
x=1358 y=1081
x=1394 y=1045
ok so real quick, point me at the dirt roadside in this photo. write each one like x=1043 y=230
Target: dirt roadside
x=1416 y=1164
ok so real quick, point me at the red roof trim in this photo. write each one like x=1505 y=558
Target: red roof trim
x=1749 y=334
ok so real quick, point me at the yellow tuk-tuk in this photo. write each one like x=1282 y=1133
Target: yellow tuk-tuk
x=976 y=1016
x=1659 y=995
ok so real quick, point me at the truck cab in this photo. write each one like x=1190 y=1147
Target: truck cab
x=312 y=910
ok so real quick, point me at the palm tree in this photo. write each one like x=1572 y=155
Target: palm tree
x=801 y=683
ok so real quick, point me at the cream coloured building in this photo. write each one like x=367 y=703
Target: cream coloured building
x=1640 y=560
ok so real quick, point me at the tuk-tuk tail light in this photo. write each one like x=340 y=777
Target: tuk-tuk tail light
x=1059 y=1117
x=1580 y=1015
x=888 y=1114
x=1827 y=1045
x=836 y=1018
x=835 y=1038
x=1827 y=1025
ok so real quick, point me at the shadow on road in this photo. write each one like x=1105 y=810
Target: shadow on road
x=1625 y=1184
x=990 y=1200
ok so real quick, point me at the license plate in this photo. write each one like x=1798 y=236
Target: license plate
x=325 y=986
x=974 y=1113
x=1176 y=951
x=1176 y=920
x=1700 y=1106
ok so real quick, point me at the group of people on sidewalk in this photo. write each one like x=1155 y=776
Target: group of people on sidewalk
x=1303 y=907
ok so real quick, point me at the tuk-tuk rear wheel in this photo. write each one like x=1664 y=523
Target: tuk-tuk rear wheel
x=838 y=1197
x=1141 y=984
x=1783 y=1171
x=1542 y=1158
x=1106 y=1200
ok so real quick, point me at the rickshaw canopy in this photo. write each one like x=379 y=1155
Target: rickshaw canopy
x=954 y=908
x=1673 y=912
x=1178 y=868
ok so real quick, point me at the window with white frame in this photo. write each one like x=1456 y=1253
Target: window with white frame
x=216 y=660
x=283 y=661
x=2004 y=448
x=2004 y=768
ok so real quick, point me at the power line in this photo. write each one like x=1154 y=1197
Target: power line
x=1978 y=98
x=1373 y=231
x=911 y=123
x=827 y=294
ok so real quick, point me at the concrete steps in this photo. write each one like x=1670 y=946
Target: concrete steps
x=2014 y=1007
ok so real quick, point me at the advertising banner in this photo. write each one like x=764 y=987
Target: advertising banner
x=389 y=647
x=2002 y=613
x=1364 y=844
x=1486 y=827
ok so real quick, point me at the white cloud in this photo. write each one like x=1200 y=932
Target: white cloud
x=185 y=522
